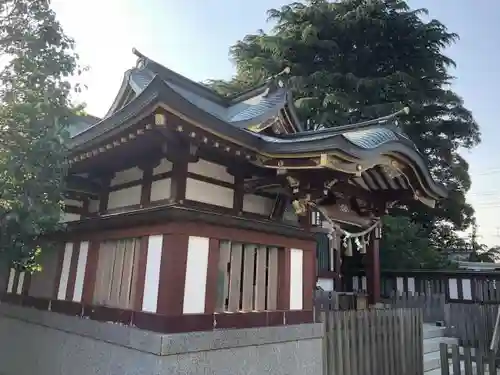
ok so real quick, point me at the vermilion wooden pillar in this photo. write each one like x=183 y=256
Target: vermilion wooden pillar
x=372 y=267
x=335 y=254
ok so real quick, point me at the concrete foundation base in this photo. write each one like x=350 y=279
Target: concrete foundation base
x=46 y=343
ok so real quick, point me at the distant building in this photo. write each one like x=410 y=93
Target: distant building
x=478 y=266
x=458 y=255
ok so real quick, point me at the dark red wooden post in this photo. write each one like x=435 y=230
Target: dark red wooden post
x=373 y=267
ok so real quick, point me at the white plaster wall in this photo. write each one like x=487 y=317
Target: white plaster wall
x=411 y=285
x=364 y=286
x=400 y=284
x=66 y=217
x=152 y=279
x=20 y=283
x=10 y=284
x=160 y=189
x=63 y=281
x=205 y=192
x=124 y=197
x=164 y=166
x=326 y=224
x=296 y=279
x=257 y=204
x=453 y=288
x=356 y=283
x=80 y=271
x=196 y=275
x=127 y=175
x=467 y=289
x=209 y=169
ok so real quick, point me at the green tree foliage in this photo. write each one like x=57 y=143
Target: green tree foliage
x=404 y=245
x=353 y=60
x=486 y=255
x=480 y=252
x=37 y=61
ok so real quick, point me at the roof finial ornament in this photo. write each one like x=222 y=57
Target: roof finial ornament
x=285 y=71
x=274 y=81
x=141 y=58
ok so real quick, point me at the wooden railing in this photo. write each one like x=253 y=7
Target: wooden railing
x=247 y=277
x=472 y=324
x=457 y=360
x=466 y=302
x=374 y=342
x=432 y=305
x=456 y=285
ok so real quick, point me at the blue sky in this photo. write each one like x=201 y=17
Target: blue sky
x=193 y=39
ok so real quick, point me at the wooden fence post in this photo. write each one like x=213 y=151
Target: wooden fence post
x=374 y=342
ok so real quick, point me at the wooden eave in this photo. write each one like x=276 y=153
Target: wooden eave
x=170 y=76
x=166 y=74
x=326 y=149
x=133 y=143
x=178 y=213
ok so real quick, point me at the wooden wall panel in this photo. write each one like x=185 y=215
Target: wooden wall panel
x=261 y=279
x=248 y=277
x=272 y=283
x=43 y=283
x=223 y=275
x=235 y=277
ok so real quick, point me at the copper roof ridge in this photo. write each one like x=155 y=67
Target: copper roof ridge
x=342 y=129
x=205 y=91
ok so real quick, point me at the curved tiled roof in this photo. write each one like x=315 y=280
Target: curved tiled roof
x=79 y=124
x=261 y=107
x=371 y=138
x=144 y=88
x=243 y=111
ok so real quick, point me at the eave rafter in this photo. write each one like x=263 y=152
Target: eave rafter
x=168 y=127
x=393 y=165
x=166 y=122
x=120 y=140
x=201 y=138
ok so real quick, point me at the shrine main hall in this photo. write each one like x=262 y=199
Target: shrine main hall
x=185 y=209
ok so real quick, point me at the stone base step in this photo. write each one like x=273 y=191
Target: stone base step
x=431 y=331
x=432 y=345
x=437 y=371
x=432 y=364
x=432 y=361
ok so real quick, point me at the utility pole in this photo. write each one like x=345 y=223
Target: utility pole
x=473 y=238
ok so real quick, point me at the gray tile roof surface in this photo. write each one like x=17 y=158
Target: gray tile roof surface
x=148 y=85
x=240 y=114
x=265 y=104
x=80 y=124
x=371 y=138
x=243 y=111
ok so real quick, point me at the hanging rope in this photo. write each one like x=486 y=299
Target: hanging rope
x=337 y=227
